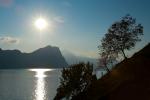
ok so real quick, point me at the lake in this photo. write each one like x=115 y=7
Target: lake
x=29 y=84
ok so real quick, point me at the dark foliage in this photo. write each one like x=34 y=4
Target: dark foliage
x=121 y=36
x=74 y=80
x=128 y=80
x=106 y=60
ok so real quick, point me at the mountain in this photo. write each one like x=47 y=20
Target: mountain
x=47 y=57
x=73 y=59
x=128 y=80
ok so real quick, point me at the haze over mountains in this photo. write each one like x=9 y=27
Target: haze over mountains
x=47 y=57
x=74 y=59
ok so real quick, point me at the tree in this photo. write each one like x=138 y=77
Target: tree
x=74 y=80
x=106 y=60
x=121 y=36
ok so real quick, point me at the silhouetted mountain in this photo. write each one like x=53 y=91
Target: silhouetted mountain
x=128 y=80
x=73 y=59
x=48 y=57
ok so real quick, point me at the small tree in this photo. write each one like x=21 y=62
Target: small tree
x=107 y=59
x=74 y=80
x=121 y=36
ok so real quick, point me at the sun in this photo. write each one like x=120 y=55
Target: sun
x=40 y=23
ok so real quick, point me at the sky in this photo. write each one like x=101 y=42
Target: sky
x=76 y=26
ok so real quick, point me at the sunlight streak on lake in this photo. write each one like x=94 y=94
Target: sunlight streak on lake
x=40 y=91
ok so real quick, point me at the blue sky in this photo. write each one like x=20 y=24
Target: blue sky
x=74 y=25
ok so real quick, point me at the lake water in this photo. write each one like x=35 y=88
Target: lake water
x=29 y=84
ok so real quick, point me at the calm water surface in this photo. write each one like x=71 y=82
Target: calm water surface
x=29 y=84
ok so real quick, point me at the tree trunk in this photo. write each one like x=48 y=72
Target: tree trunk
x=124 y=54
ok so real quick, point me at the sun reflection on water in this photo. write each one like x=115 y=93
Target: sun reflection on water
x=40 y=91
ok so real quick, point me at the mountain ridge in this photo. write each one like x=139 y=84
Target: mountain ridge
x=46 y=57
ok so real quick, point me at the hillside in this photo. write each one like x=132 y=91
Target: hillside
x=48 y=57
x=128 y=80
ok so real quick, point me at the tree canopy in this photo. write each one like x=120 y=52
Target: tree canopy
x=74 y=80
x=121 y=36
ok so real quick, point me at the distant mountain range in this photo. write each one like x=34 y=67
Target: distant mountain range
x=73 y=59
x=47 y=57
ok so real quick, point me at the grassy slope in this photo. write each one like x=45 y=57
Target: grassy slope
x=129 y=80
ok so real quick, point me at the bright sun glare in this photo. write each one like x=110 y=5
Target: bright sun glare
x=40 y=91
x=40 y=73
x=41 y=23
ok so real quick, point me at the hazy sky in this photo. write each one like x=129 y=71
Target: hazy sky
x=74 y=25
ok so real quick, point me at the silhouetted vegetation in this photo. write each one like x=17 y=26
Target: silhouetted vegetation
x=128 y=80
x=106 y=60
x=74 y=80
x=121 y=36
x=77 y=82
